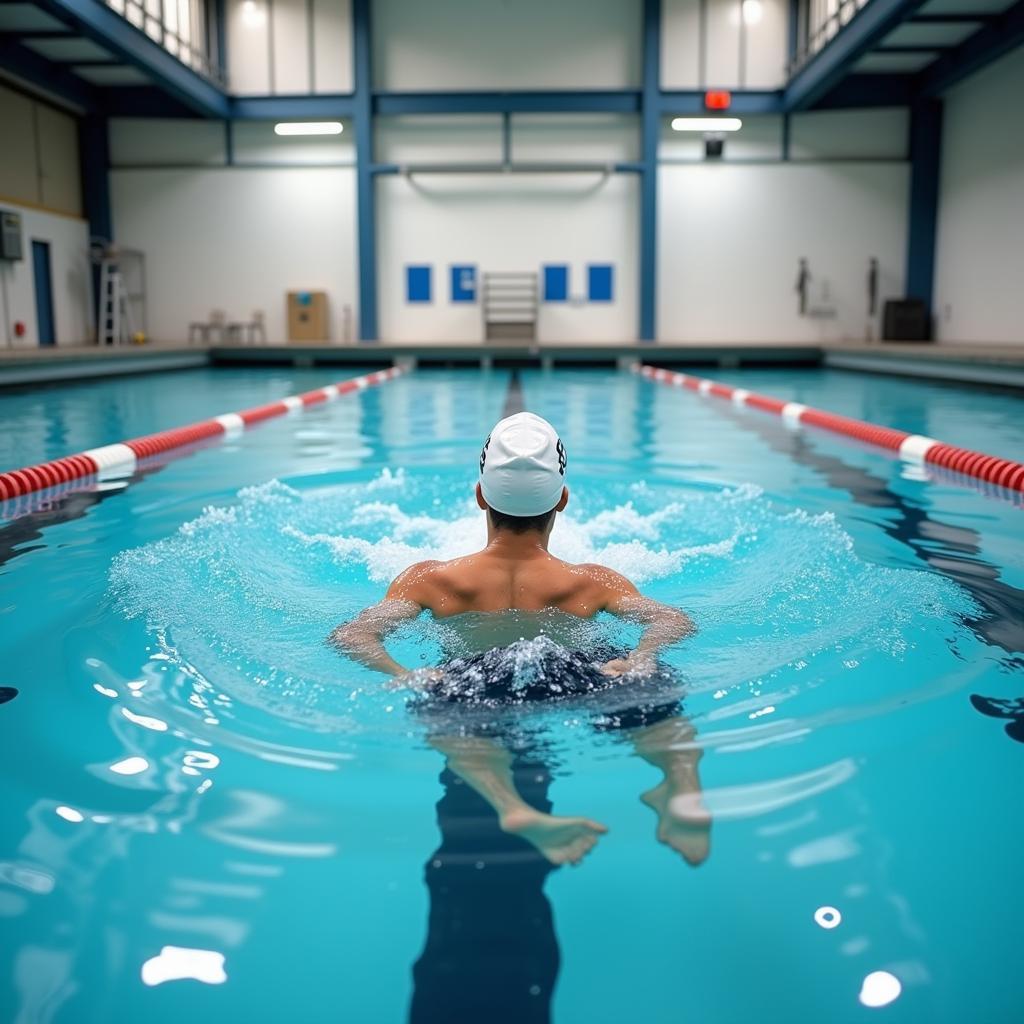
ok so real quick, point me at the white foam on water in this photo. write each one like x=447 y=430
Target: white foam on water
x=243 y=596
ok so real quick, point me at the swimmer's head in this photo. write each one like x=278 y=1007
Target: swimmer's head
x=522 y=474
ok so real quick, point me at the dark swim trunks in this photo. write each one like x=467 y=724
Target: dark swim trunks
x=534 y=674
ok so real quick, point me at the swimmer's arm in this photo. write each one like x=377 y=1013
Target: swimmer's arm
x=663 y=625
x=362 y=639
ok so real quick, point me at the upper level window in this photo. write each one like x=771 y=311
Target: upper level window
x=184 y=28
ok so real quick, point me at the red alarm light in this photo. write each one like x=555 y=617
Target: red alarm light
x=717 y=99
x=19 y=329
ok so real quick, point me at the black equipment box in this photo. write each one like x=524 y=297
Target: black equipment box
x=906 y=320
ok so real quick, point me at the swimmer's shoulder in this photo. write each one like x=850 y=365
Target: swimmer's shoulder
x=605 y=586
x=427 y=583
x=416 y=583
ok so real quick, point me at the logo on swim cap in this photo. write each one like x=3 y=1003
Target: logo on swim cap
x=483 y=452
x=522 y=466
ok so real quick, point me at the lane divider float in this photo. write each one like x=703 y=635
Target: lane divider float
x=120 y=460
x=912 y=448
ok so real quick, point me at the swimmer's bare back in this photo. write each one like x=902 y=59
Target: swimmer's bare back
x=509 y=575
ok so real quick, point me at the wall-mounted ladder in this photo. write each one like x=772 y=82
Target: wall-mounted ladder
x=510 y=306
x=121 y=301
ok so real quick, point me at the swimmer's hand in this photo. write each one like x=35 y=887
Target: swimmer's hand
x=420 y=679
x=635 y=663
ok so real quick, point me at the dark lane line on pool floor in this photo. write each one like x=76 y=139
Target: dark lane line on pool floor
x=514 y=400
x=1001 y=625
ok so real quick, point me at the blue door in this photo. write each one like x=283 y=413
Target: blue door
x=44 y=292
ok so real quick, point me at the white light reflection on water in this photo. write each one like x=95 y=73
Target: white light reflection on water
x=828 y=917
x=130 y=766
x=176 y=963
x=156 y=724
x=880 y=988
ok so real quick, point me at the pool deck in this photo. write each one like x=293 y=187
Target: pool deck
x=999 y=365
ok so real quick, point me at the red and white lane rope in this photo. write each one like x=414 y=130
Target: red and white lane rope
x=120 y=460
x=913 y=448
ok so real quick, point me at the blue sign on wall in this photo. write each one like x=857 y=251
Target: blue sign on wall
x=463 y=283
x=417 y=284
x=599 y=282
x=556 y=282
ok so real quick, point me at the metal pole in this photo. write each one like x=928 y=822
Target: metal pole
x=650 y=130
x=365 y=199
x=925 y=160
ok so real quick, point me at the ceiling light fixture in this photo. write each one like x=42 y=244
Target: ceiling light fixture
x=308 y=128
x=753 y=12
x=706 y=124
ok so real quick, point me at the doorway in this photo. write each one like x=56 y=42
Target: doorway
x=44 y=292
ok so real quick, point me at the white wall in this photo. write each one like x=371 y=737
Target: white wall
x=873 y=133
x=237 y=240
x=70 y=279
x=506 y=44
x=730 y=237
x=505 y=222
x=721 y=49
x=279 y=49
x=980 y=253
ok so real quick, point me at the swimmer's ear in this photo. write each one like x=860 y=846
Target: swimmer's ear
x=562 y=502
x=480 y=498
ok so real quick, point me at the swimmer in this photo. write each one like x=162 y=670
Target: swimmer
x=521 y=489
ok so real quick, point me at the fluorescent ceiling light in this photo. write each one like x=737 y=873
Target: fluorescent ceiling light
x=253 y=16
x=706 y=124
x=753 y=12
x=308 y=128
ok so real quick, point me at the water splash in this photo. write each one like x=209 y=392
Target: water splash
x=242 y=597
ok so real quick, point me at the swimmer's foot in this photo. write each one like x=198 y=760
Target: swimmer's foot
x=684 y=823
x=561 y=840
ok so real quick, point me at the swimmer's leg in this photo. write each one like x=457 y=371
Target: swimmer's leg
x=684 y=823
x=487 y=767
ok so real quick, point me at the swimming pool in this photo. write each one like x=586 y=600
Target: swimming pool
x=208 y=813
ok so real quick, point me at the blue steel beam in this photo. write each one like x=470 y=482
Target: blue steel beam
x=98 y=22
x=869 y=91
x=366 y=202
x=827 y=68
x=94 y=153
x=624 y=101
x=42 y=76
x=142 y=101
x=650 y=130
x=925 y=160
x=744 y=101
x=94 y=164
x=292 y=108
x=1003 y=33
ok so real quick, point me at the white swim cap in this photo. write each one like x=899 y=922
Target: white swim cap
x=522 y=466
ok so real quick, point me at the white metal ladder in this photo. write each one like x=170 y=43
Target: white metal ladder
x=114 y=324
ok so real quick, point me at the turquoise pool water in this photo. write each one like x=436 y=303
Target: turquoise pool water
x=208 y=814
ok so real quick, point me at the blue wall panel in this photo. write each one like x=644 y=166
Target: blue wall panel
x=556 y=282
x=463 y=283
x=417 y=284
x=599 y=282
